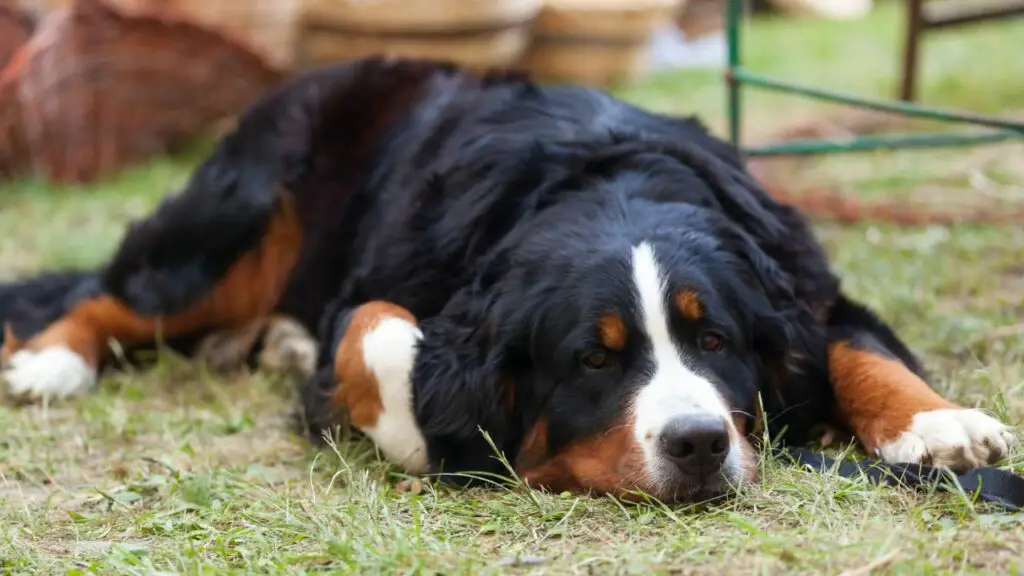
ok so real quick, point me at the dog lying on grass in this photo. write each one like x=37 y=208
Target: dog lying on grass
x=605 y=291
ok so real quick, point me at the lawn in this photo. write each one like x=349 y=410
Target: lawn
x=173 y=470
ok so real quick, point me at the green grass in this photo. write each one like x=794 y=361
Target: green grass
x=177 y=471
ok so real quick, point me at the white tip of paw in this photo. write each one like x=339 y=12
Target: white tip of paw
x=389 y=351
x=960 y=439
x=288 y=347
x=56 y=372
x=299 y=354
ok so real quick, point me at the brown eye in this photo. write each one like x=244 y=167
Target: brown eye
x=595 y=360
x=711 y=341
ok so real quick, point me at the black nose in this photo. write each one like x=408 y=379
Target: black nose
x=696 y=444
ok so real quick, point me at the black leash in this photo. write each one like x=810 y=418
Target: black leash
x=989 y=484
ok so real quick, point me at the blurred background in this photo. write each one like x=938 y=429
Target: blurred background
x=105 y=105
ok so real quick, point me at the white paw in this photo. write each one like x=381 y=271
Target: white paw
x=289 y=348
x=300 y=355
x=389 y=352
x=960 y=439
x=55 y=372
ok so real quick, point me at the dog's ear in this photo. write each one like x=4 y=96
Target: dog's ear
x=461 y=386
x=788 y=340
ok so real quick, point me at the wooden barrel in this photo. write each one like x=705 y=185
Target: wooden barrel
x=596 y=42
x=474 y=33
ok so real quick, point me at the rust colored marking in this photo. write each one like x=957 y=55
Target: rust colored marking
x=689 y=304
x=249 y=289
x=535 y=446
x=358 y=391
x=609 y=463
x=11 y=342
x=877 y=397
x=613 y=332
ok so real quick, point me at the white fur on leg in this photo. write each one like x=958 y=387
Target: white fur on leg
x=960 y=439
x=389 y=351
x=55 y=372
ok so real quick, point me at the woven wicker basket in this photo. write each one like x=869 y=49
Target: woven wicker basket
x=267 y=27
x=597 y=42
x=475 y=33
x=95 y=90
x=15 y=28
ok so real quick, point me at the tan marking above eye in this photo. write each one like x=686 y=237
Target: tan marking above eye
x=689 y=304
x=613 y=332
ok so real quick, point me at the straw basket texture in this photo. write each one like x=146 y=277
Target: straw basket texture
x=474 y=33
x=267 y=27
x=596 y=42
x=15 y=28
x=95 y=89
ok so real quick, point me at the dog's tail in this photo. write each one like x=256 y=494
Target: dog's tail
x=28 y=305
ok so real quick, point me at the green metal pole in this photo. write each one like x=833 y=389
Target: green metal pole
x=904 y=108
x=868 y=143
x=732 y=25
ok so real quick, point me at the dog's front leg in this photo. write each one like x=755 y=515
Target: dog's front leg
x=895 y=414
x=368 y=385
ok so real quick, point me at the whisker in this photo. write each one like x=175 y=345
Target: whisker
x=787 y=410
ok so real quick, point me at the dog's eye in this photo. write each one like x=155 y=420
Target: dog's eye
x=711 y=341
x=595 y=359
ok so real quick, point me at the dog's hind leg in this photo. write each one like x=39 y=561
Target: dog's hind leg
x=883 y=397
x=165 y=282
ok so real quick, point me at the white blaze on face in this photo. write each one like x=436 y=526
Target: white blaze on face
x=674 y=389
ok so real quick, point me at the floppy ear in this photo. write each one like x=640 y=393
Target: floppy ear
x=460 y=387
x=790 y=344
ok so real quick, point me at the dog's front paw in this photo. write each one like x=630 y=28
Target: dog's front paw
x=958 y=438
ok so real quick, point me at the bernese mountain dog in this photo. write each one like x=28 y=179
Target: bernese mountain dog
x=469 y=263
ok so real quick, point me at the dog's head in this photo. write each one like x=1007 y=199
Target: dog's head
x=618 y=338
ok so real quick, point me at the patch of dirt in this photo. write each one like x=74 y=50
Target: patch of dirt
x=959 y=191
x=16 y=494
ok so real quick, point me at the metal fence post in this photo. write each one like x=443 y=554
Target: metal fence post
x=732 y=24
